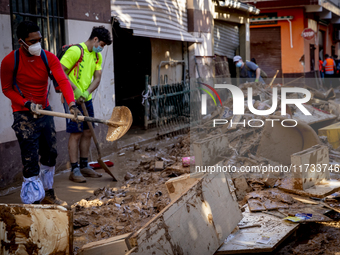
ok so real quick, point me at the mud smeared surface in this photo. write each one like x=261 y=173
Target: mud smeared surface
x=137 y=199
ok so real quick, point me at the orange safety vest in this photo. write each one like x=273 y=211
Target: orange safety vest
x=329 y=65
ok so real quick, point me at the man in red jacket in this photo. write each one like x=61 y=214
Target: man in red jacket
x=28 y=92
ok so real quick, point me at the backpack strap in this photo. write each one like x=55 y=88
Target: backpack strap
x=97 y=58
x=76 y=65
x=44 y=59
x=16 y=66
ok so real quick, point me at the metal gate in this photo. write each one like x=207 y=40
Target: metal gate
x=167 y=106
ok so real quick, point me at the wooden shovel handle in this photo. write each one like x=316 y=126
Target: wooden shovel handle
x=91 y=129
x=81 y=118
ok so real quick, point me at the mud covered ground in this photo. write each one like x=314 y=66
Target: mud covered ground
x=313 y=239
x=139 y=196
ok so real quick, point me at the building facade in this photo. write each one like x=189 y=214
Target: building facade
x=278 y=41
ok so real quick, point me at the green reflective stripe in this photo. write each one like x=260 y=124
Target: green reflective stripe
x=206 y=91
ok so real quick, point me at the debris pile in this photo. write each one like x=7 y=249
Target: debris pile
x=115 y=211
x=143 y=194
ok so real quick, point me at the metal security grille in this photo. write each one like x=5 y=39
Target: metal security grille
x=47 y=14
x=167 y=106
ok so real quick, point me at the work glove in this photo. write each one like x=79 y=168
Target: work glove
x=75 y=111
x=256 y=80
x=77 y=93
x=80 y=100
x=85 y=95
x=33 y=107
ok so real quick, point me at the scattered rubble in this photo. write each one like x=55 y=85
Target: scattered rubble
x=143 y=194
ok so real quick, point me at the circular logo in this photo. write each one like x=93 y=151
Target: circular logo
x=308 y=33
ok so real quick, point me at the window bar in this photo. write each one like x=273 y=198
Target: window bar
x=48 y=27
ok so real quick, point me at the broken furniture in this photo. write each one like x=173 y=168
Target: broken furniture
x=35 y=229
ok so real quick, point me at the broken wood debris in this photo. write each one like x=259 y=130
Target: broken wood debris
x=199 y=208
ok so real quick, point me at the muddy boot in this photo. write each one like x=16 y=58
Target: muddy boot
x=89 y=172
x=51 y=198
x=76 y=176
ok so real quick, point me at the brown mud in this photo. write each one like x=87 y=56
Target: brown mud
x=138 y=198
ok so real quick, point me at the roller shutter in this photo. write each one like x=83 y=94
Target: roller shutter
x=265 y=47
x=226 y=38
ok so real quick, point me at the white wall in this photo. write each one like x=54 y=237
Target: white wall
x=166 y=50
x=6 y=132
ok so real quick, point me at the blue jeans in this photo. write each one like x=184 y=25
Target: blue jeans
x=36 y=136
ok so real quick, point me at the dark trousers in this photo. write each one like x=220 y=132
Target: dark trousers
x=329 y=79
x=36 y=136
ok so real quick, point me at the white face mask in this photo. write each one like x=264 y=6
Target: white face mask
x=34 y=49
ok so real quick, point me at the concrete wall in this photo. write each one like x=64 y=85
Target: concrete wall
x=78 y=27
x=166 y=50
x=6 y=132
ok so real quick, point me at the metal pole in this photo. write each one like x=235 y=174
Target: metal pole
x=146 y=102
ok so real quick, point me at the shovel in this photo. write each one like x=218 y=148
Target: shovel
x=119 y=123
x=100 y=161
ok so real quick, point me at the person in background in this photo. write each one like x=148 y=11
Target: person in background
x=322 y=73
x=329 y=68
x=28 y=92
x=249 y=71
x=337 y=66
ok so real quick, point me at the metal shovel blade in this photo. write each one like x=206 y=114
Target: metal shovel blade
x=120 y=114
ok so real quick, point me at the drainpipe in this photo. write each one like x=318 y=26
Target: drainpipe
x=291 y=33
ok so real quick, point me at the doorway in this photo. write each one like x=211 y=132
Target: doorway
x=132 y=62
x=265 y=47
x=312 y=57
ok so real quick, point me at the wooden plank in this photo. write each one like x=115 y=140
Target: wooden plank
x=114 y=245
x=234 y=120
x=244 y=240
x=42 y=229
x=179 y=185
x=207 y=150
x=255 y=205
x=316 y=117
x=305 y=200
x=310 y=159
x=196 y=223
x=320 y=190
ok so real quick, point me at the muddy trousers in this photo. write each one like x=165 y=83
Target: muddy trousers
x=36 y=136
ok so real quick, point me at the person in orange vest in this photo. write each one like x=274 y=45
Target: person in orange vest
x=329 y=68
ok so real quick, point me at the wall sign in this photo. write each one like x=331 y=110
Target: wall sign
x=308 y=33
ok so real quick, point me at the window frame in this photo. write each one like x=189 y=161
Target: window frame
x=51 y=17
